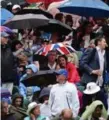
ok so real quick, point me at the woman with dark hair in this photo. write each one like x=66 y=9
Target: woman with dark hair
x=17 y=107
x=73 y=75
x=17 y=47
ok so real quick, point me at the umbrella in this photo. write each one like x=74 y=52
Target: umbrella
x=46 y=2
x=35 y=11
x=27 y=21
x=5 y=93
x=6 y=29
x=87 y=8
x=55 y=26
x=5 y=15
x=42 y=78
x=59 y=47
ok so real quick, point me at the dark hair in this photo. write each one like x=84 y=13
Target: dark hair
x=62 y=56
x=14 y=43
x=69 y=19
x=59 y=16
x=99 y=39
x=100 y=106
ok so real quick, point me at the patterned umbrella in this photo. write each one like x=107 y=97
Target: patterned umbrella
x=59 y=47
x=6 y=29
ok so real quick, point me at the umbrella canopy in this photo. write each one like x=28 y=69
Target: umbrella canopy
x=46 y=2
x=42 y=78
x=87 y=8
x=27 y=21
x=5 y=93
x=35 y=11
x=55 y=26
x=59 y=47
x=5 y=15
x=6 y=29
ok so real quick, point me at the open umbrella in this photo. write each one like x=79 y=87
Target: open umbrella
x=87 y=8
x=5 y=15
x=6 y=29
x=56 y=26
x=42 y=78
x=35 y=11
x=59 y=47
x=46 y=2
x=27 y=21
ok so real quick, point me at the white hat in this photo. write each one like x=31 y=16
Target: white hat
x=91 y=88
x=31 y=106
x=15 y=7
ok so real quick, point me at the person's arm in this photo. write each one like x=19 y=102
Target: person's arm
x=73 y=74
x=16 y=53
x=84 y=62
x=75 y=101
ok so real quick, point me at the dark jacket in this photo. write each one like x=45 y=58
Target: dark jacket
x=89 y=62
x=8 y=117
x=8 y=69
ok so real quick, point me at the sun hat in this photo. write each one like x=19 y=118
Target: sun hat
x=15 y=7
x=31 y=106
x=62 y=72
x=91 y=88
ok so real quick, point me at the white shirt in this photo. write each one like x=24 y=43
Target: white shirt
x=52 y=67
x=45 y=110
x=86 y=41
x=101 y=62
x=64 y=96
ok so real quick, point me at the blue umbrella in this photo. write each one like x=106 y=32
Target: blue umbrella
x=5 y=15
x=87 y=8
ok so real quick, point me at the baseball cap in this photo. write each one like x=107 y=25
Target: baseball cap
x=4 y=34
x=62 y=72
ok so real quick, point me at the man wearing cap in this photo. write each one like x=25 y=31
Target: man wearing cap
x=63 y=95
x=8 y=70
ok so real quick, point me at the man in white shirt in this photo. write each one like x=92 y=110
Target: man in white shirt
x=52 y=59
x=63 y=95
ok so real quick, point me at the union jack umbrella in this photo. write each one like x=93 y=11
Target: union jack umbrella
x=59 y=47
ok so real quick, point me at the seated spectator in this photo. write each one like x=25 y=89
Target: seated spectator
x=43 y=98
x=34 y=112
x=91 y=93
x=73 y=75
x=95 y=111
x=27 y=92
x=5 y=115
x=17 y=48
x=17 y=107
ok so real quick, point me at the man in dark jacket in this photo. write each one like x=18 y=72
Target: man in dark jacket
x=8 y=69
x=93 y=63
x=94 y=66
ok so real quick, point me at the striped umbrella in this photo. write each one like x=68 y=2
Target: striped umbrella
x=59 y=47
x=6 y=29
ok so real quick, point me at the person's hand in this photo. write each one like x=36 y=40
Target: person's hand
x=46 y=102
x=97 y=72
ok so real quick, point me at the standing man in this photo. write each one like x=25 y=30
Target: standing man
x=63 y=95
x=8 y=69
x=94 y=65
